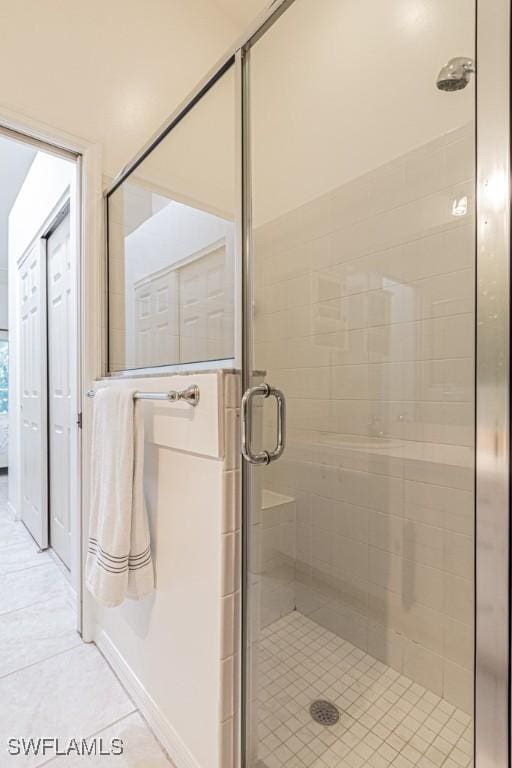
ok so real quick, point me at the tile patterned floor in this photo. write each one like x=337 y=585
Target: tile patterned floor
x=52 y=684
x=386 y=721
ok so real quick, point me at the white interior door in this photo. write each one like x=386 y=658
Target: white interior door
x=4 y=404
x=61 y=409
x=33 y=416
x=206 y=310
x=185 y=313
x=156 y=320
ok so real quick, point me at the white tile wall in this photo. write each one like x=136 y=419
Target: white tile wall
x=230 y=583
x=365 y=318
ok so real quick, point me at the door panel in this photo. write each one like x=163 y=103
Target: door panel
x=60 y=402
x=360 y=566
x=156 y=319
x=186 y=310
x=34 y=500
x=206 y=310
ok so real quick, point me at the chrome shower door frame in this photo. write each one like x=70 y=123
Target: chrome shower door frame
x=492 y=614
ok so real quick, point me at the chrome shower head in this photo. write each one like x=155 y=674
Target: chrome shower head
x=455 y=75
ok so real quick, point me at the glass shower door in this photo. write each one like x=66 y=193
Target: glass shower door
x=360 y=572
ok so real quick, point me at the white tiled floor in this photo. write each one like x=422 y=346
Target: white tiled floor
x=386 y=719
x=51 y=684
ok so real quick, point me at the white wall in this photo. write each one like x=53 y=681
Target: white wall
x=196 y=163
x=339 y=88
x=47 y=181
x=107 y=72
x=242 y=13
x=15 y=160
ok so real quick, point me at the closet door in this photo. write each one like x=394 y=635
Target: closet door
x=156 y=319
x=34 y=481
x=60 y=402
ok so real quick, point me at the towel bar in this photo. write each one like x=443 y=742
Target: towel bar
x=189 y=395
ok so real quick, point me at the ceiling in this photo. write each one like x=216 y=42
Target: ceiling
x=15 y=161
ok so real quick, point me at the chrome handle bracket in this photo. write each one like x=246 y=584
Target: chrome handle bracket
x=278 y=451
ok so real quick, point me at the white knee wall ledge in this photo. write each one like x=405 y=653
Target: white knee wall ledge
x=177 y=651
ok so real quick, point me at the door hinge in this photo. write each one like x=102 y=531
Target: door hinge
x=79 y=420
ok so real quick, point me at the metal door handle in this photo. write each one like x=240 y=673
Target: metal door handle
x=263 y=457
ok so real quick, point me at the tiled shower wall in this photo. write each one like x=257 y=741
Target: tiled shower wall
x=364 y=313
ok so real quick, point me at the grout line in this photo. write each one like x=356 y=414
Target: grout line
x=7 y=572
x=166 y=754
x=92 y=735
x=47 y=658
x=39 y=602
x=23 y=607
x=435 y=231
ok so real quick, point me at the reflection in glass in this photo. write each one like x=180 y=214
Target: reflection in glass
x=171 y=244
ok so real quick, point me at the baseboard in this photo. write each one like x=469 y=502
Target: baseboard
x=12 y=512
x=163 y=730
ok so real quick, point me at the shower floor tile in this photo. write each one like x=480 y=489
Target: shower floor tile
x=386 y=720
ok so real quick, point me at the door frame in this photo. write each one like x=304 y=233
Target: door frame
x=64 y=205
x=39 y=242
x=492 y=395
x=90 y=304
x=492 y=377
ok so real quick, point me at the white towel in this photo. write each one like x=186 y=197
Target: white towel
x=119 y=562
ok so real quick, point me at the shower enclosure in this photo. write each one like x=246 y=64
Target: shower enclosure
x=329 y=211
x=363 y=240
